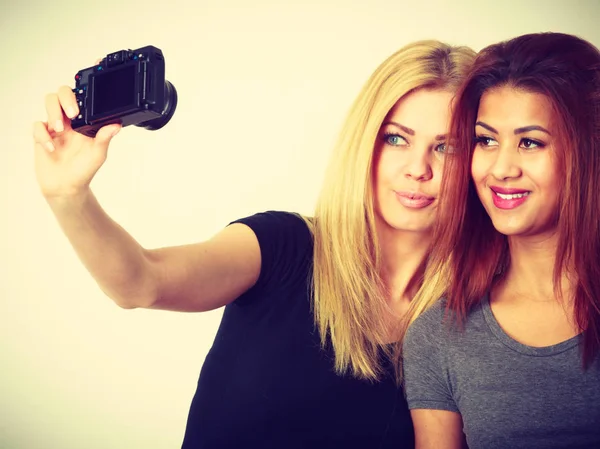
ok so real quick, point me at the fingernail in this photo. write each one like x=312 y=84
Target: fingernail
x=114 y=132
x=58 y=126
x=50 y=146
x=70 y=112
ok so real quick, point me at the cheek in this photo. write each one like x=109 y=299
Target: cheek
x=479 y=167
x=544 y=172
x=388 y=167
x=376 y=167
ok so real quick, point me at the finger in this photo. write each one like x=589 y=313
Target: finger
x=55 y=114
x=98 y=61
x=104 y=137
x=68 y=102
x=40 y=149
x=107 y=132
x=42 y=137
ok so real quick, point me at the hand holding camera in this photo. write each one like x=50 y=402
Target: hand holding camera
x=65 y=160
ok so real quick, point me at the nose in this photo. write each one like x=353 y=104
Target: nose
x=506 y=164
x=419 y=167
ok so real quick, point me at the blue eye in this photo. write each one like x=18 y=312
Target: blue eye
x=444 y=148
x=394 y=139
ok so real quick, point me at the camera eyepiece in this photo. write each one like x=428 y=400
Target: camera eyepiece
x=167 y=112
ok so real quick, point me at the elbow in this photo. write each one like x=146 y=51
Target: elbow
x=129 y=299
x=127 y=305
x=134 y=302
x=141 y=291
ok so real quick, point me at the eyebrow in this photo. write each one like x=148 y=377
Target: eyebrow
x=402 y=127
x=411 y=132
x=486 y=126
x=531 y=128
x=521 y=130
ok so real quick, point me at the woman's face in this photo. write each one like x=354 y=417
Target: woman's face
x=514 y=164
x=409 y=156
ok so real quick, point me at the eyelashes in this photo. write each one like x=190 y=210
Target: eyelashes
x=397 y=140
x=394 y=139
x=531 y=143
x=526 y=142
x=478 y=140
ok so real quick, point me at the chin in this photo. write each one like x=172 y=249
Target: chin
x=507 y=232
x=401 y=221
x=510 y=229
x=403 y=226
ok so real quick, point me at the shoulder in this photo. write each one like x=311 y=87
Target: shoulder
x=271 y=216
x=425 y=361
x=286 y=249
x=440 y=326
x=429 y=332
x=280 y=234
x=430 y=321
x=264 y=223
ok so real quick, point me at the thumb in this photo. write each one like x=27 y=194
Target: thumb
x=104 y=136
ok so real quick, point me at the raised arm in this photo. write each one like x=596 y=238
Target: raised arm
x=196 y=277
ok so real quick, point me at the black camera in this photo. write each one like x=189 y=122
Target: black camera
x=127 y=87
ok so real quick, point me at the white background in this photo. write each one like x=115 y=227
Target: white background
x=263 y=89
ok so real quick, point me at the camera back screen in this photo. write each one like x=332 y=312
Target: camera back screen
x=114 y=90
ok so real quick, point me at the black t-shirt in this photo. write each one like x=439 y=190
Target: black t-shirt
x=266 y=382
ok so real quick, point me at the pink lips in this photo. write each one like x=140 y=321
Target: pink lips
x=512 y=197
x=414 y=200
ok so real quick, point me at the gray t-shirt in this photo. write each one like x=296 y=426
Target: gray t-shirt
x=509 y=395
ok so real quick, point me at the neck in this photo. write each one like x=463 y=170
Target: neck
x=403 y=254
x=531 y=269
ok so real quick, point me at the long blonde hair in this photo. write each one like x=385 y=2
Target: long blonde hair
x=349 y=298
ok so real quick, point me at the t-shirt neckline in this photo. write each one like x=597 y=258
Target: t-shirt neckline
x=520 y=347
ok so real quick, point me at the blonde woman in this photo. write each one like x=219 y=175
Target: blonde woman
x=312 y=304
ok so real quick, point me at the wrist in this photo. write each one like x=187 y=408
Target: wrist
x=75 y=198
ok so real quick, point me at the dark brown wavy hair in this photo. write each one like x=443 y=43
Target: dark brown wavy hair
x=566 y=69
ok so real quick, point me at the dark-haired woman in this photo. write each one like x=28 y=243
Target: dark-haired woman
x=509 y=358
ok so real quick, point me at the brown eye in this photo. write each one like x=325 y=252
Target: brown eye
x=530 y=144
x=485 y=141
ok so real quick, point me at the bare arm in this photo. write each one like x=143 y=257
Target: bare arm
x=196 y=277
x=438 y=429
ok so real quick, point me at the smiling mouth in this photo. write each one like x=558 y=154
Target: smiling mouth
x=512 y=196
x=505 y=198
